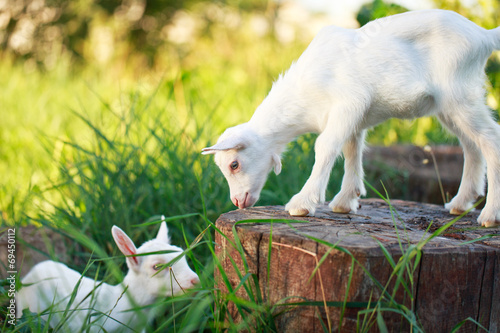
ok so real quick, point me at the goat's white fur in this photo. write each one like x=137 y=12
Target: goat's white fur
x=49 y=286
x=410 y=65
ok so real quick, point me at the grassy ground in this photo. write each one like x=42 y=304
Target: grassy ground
x=100 y=146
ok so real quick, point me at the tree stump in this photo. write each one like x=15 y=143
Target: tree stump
x=455 y=279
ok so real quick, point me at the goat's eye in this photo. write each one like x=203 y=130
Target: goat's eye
x=234 y=165
x=159 y=267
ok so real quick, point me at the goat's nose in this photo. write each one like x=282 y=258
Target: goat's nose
x=235 y=201
x=195 y=280
x=240 y=202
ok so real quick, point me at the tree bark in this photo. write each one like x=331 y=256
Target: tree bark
x=453 y=280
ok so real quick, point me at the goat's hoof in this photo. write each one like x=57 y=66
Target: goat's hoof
x=489 y=224
x=455 y=211
x=299 y=212
x=341 y=210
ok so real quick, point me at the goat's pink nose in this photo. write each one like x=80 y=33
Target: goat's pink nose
x=241 y=202
x=235 y=201
x=195 y=280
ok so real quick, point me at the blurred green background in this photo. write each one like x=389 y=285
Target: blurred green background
x=134 y=85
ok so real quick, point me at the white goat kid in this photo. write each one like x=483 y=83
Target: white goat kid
x=102 y=307
x=410 y=65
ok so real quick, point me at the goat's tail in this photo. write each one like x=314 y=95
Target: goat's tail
x=496 y=38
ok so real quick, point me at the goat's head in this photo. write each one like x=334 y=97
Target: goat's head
x=245 y=160
x=156 y=268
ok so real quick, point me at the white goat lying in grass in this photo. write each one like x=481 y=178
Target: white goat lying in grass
x=76 y=302
x=410 y=65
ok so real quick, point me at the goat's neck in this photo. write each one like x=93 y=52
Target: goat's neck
x=137 y=296
x=280 y=122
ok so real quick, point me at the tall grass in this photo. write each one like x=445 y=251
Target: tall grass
x=134 y=163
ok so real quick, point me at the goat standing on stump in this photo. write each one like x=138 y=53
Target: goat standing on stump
x=410 y=65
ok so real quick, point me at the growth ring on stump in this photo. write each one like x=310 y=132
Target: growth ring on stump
x=455 y=279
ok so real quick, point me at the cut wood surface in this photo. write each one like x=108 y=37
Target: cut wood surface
x=454 y=280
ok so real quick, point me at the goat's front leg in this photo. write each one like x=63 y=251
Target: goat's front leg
x=473 y=176
x=347 y=199
x=327 y=148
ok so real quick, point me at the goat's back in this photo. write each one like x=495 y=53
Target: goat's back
x=51 y=285
x=439 y=39
x=406 y=65
x=45 y=284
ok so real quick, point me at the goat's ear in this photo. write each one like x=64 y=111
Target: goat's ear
x=163 y=232
x=126 y=246
x=232 y=142
x=277 y=163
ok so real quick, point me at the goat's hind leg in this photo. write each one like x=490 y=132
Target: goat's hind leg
x=352 y=188
x=477 y=125
x=489 y=143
